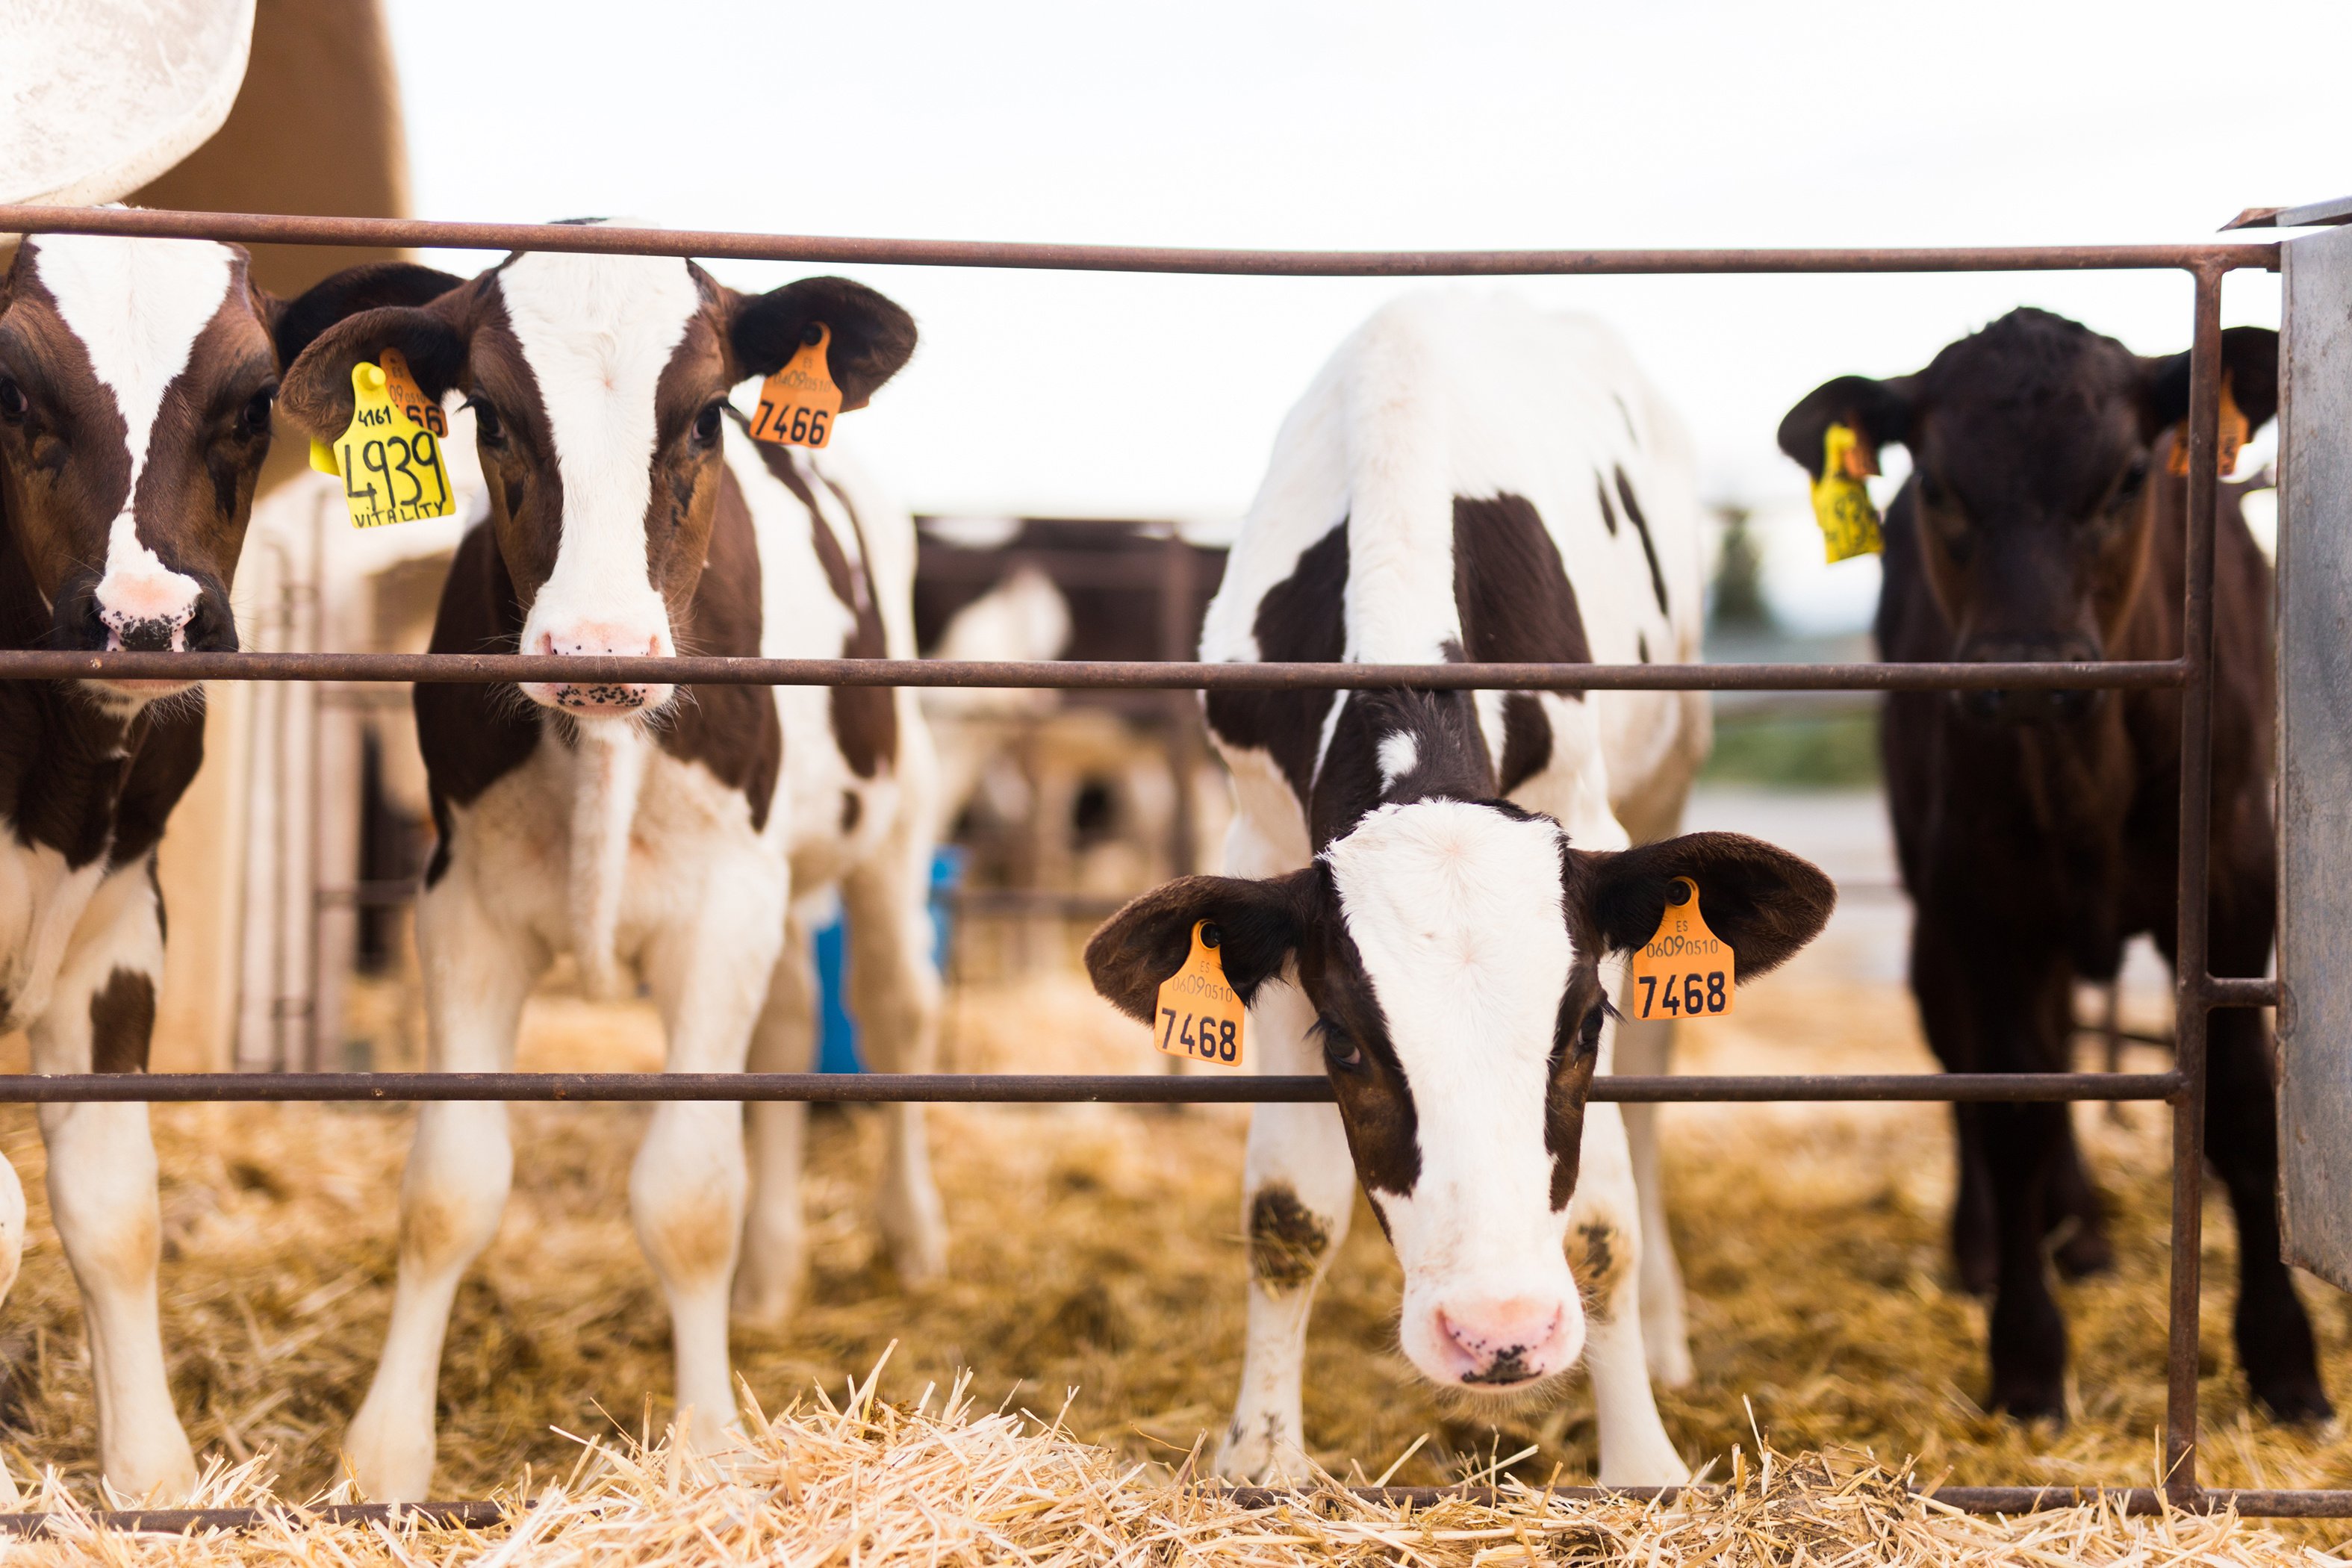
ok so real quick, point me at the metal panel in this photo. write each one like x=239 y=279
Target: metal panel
x=2315 y=619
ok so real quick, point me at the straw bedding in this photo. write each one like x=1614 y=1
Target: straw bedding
x=1095 y=1278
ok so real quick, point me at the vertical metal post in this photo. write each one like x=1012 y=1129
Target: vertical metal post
x=2191 y=980
x=2314 y=753
x=1177 y=644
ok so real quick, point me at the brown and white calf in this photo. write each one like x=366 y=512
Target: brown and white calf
x=1432 y=894
x=137 y=379
x=681 y=828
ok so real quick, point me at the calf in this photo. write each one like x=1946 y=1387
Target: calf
x=2038 y=832
x=680 y=828
x=1441 y=882
x=137 y=379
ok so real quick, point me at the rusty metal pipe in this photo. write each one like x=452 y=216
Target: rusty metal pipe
x=1018 y=1089
x=280 y=228
x=1146 y=675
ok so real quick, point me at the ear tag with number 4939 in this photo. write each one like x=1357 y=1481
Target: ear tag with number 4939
x=799 y=404
x=1198 y=1015
x=389 y=457
x=1684 y=971
x=1841 y=502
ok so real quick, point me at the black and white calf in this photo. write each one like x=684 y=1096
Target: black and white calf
x=136 y=383
x=682 y=829
x=1442 y=883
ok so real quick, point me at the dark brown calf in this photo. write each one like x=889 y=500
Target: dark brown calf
x=2038 y=832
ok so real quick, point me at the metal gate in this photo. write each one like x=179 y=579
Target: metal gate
x=2312 y=484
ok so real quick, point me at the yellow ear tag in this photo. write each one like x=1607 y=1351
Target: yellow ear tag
x=1840 y=503
x=389 y=457
x=1199 y=1014
x=2234 y=430
x=1684 y=971
x=799 y=403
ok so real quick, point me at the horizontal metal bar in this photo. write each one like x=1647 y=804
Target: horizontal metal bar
x=271 y=228
x=195 y=1520
x=2231 y=991
x=1016 y=1088
x=2249 y=1502
x=483 y=670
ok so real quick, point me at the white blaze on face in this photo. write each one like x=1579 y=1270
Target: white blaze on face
x=138 y=307
x=598 y=331
x=1456 y=910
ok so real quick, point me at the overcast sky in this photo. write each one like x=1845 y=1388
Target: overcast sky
x=1441 y=126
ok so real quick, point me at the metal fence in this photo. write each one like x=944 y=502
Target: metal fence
x=2197 y=991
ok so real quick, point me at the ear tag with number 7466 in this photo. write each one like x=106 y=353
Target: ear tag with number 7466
x=389 y=457
x=1684 y=971
x=799 y=404
x=1198 y=1015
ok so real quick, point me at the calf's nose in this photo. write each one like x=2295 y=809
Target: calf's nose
x=1499 y=1341
x=147 y=612
x=601 y=639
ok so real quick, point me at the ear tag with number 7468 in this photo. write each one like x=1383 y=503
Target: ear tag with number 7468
x=799 y=404
x=1684 y=971
x=389 y=457
x=1198 y=1015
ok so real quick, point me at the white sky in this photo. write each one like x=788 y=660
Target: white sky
x=1287 y=125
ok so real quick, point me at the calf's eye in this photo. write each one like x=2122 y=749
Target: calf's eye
x=255 y=417
x=486 y=428
x=1339 y=1048
x=13 y=406
x=706 y=426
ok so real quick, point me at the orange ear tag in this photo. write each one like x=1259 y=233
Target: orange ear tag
x=389 y=457
x=1684 y=971
x=1200 y=1017
x=2234 y=431
x=1841 y=502
x=799 y=403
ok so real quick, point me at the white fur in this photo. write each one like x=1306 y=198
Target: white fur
x=1399 y=753
x=1439 y=397
x=1456 y=911
x=138 y=307
x=598 y=331
x=700 y=903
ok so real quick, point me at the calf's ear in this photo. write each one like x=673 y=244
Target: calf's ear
x=1259 y=924
x=872 y=337
x=294 y=323
x=1877 y=412
x=1765 y=902
x=316 y=390
x=2250 y=361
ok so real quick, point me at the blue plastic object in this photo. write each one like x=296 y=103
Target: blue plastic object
x=836 y=1031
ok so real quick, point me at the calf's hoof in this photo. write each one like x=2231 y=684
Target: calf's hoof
x=388 y=1468
x=2029 y=1397
x=2297 y=1401
x=1262 y=1451
x=917 y=1234
x=2083 y=1253
x=765 y=1289
x=159 y=1468
x=1669 y=1360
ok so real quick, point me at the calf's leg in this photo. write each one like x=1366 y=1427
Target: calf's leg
x=477 y=970
x=1988 y=1011
x=894 y=992
x=1644 y=1047
x=101 y=1017
x=709 y=977
x=774 y=1261
x=2272 y=1331
x=1606 y=1240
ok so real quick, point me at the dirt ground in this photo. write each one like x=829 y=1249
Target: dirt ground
x=1098 y=1262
